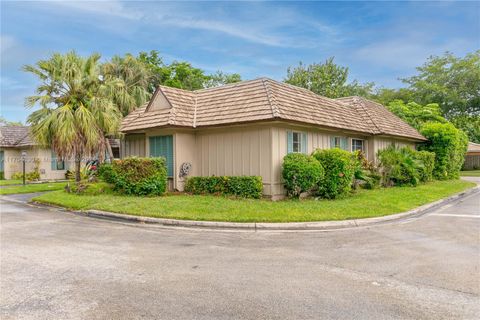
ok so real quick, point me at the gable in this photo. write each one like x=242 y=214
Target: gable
x=159 y=102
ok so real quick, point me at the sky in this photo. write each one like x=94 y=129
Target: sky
x=378 y=41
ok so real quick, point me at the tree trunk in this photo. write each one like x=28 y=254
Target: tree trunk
x=109 y=149
x=78 y=163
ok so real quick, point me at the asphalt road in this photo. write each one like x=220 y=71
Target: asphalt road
x=56 y=265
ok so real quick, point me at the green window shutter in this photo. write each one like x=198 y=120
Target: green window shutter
x=162 y=146
x=344 y=143
x=1 y=161
x=289 y=142
x=332 y=142
x=54 y=161
x=304 y=143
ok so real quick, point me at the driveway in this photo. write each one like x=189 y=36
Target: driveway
x=55 y=265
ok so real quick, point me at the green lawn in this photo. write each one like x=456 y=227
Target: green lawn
x=33 y=188
x=10 y=182
x=470 y=173
x=363 y=204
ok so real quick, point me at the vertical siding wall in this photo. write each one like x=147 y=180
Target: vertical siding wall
x=382 y=143
x=472 y=161
x=133 y=145
x=316 y=139
x=236 y=152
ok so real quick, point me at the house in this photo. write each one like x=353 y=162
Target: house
x=472 y=157
x=16 y=139
x=248 y=127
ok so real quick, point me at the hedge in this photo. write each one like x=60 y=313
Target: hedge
x=339 y=166
x=427 y=164
x=301 y=173
x=449 y=145
x=240 y=186
x=138 y=176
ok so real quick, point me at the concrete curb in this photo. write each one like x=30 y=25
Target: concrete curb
x=289 y=226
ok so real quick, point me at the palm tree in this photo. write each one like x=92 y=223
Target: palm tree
x=76 y=108
x=131 y=79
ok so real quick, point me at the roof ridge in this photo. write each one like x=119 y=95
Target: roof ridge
x=194 y=124
x=229 y=85
x=362 y=105
x=271 y=99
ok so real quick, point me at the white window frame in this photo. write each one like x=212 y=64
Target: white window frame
x=363 y=145
x=297 y=143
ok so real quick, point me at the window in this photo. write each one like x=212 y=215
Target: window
x=336 y=142
x=296 y=142
x=57 y=164
x=339 y=142
x=162 y=146
x=357 y=145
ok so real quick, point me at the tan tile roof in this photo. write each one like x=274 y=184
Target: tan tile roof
x=266 y=99
x=380 y=119
x=473 y=147
x=15 y=136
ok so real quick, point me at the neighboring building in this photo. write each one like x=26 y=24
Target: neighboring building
x=248 y=127
x=14 y=140
x=472 y=157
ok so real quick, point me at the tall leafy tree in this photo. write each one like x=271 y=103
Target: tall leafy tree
x=450 y=81
x=327 y=79
x=181 y=74
x=76 y=109
x=415 y=114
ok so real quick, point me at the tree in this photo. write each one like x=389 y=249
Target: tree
x=415 y=114
x=470 y=125
x=130 y=78
x=387 y=95
x=180 y=74
x=4 y=122
x=327 y=79
x=452 y=82
x=76 y=110
x=219 y=78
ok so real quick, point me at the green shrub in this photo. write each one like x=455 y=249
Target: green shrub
x=2 y=175
x=241 y=186
x=449 y=145
x=399 y=166
x=425 y=170
x=106 y=173
x=140 y=176
x=339 y=167
x=365 y=172
x=301 y=173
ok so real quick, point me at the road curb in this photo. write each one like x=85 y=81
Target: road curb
x=289 y=226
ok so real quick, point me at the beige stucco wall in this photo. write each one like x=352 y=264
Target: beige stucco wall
x=245 y=150
x=13 y=163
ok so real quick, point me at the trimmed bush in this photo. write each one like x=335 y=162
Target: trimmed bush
x=106 y=173
x=339 y=167
x=241 y=186
x=139 y=176
x=2 y=175
x=301 y=173
x=449 y=145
